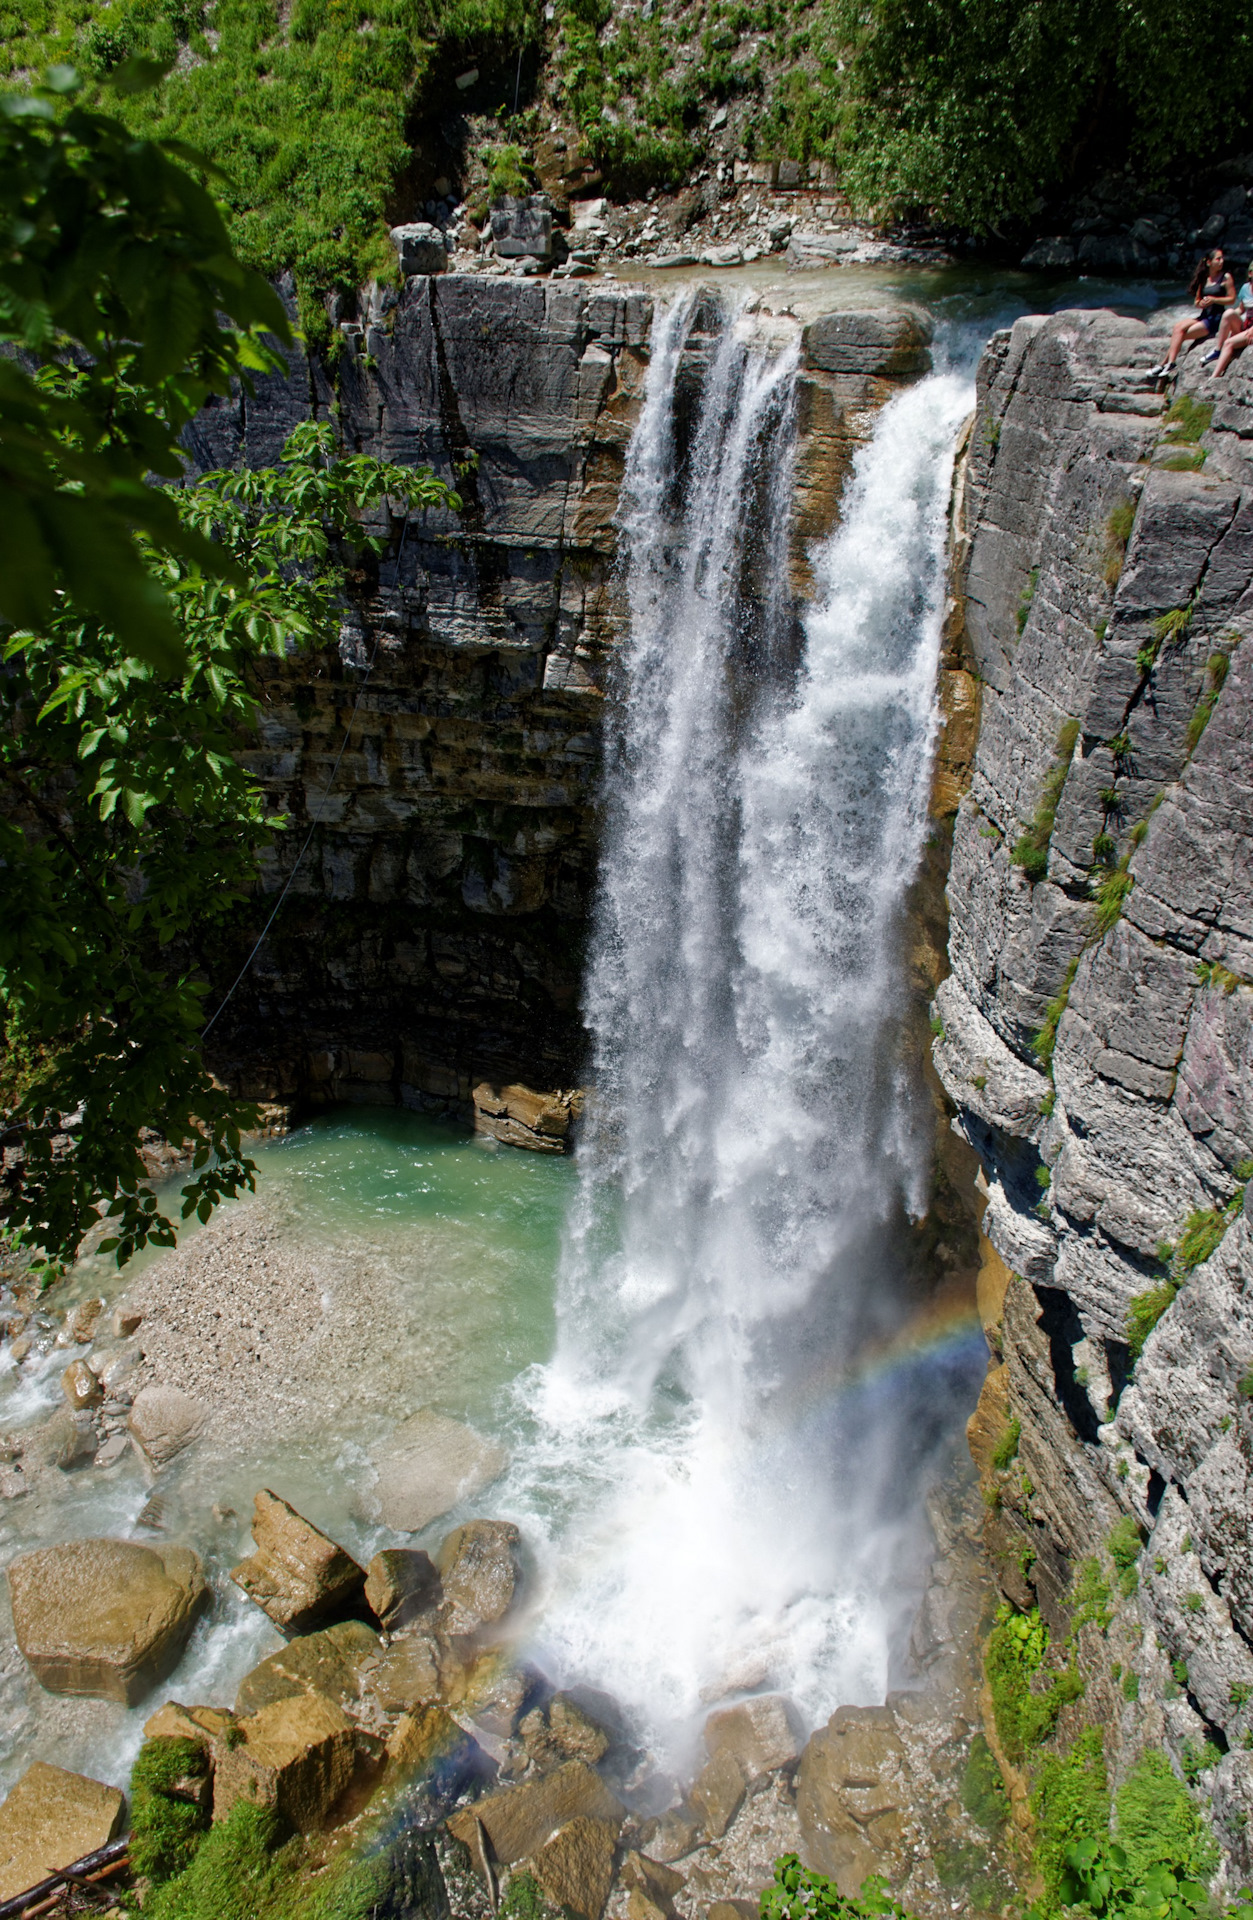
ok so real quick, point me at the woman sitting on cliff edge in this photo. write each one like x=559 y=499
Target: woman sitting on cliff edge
x=1212 y=291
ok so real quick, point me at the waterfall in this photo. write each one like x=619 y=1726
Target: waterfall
x=723 y=1476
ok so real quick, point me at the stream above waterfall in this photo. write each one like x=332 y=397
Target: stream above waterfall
x=722 y=1397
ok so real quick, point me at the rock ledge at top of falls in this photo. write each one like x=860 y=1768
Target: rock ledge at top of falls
x=891 y=342
x=1086 y=529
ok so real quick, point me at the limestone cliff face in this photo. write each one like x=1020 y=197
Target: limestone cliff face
x=434 y=929
x=434 y=933
x=1106 y=579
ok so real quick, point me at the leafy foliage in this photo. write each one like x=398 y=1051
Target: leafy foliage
x=983 y=1792
x=1123 y=1545
x=1014 y=1660
x=796 y=1893
x=113 y=247
x=1216 y=669
x=306 y=116
x=136 y=831
x=1046 y=1040
x=1070 y=1803
x=1006 y=1448
x=970 y=110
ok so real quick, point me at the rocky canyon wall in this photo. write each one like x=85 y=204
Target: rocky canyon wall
x=433 y=935
x=1096 y=1029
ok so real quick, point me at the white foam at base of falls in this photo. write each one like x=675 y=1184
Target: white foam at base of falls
x=725 y=1496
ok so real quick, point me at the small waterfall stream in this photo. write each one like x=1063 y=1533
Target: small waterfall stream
x=729 y=1502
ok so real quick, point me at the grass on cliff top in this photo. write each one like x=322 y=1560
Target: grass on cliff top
x=303 y=106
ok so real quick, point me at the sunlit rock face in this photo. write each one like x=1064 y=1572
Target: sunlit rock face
x=1106 y=562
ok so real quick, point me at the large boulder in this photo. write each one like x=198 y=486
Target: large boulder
x=575 y=1867
x=420 y=248
x=163 y=1421
x=479 y=1570
x=523 y=227
x=849 y=1796
x=297 y=1575
x=104 y=1617
x=761 y=1734
x=562 y=1731
x=50 y=1820
x=893 y=342
x=717 y=1793
x=333 y=1662
x=518 y=1821
x=520 y=1117
x=401 y=1584
x=418 y=1669
x=428 y=1466
x=295 y=1756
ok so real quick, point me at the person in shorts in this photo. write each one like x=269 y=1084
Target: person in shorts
x=1235 y=329
x=1212 y=291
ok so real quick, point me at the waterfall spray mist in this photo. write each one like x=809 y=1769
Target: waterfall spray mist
x=726 y=1499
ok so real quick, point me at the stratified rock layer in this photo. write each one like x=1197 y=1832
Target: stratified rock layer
x=1108 y=577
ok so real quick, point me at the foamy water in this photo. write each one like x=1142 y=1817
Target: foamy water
x=718 y=1512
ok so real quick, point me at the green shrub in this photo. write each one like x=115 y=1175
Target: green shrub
x=523 y=1899
x=1006 y=1448
x=1123 y=1545
x=1090 y=1597
x=1118 y=525
x=796 y=1893
x=1187 y=420
x=1144 y=1312
x=1044 y=1042
x=1026 y=597
x=1198 y=1760
x=1013 y=1660
x=1031 y=850
x=983 y=1791
x=1070 y=1803
x=166 y=1824
x=1215 y=677
x=1110 y=892
x=1130 y=1685
x=1157 y=1820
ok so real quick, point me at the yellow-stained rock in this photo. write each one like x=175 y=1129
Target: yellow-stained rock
x=520 y=1820
x=848 y=1796
x=651 y=1879
x=297 y=1575
x=717 y=1793
x=334 y=1662
x=106 y=1618
x=50 y=1820
x=575 y=1867
x=295 y=1756
x=520 y=1117
x=987 y=1423
x=176 y=1722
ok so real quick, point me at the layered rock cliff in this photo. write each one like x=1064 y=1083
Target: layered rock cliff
x=1096 y=1030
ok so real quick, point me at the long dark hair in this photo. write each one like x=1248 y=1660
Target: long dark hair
x=1202 y=273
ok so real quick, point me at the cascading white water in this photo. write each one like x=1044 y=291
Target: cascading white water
x=726 y=1501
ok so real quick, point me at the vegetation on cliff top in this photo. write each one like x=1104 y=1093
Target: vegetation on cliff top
x=964 y=114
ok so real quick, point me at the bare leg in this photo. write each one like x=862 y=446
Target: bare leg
x=1236 y=343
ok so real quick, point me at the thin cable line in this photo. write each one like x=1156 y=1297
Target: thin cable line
x=315 y=822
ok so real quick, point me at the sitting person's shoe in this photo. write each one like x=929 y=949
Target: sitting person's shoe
x=1211 y=357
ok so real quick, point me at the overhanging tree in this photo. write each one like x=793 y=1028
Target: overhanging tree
x=131 y=618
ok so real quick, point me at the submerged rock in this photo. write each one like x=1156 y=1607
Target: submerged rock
x=519 y=1820
x=80 y=1386
x=575 y=1867
x=163 y=1421
x=295 y=1756
x=478 y=1567
x=105 y=1618
x=50 y=1820
x=297 y=1575
x=428 y=1466
x=333 y=1662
